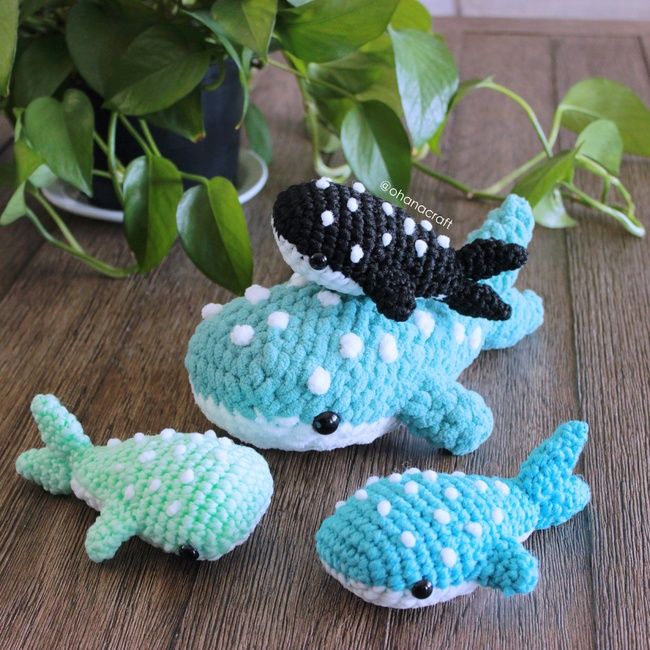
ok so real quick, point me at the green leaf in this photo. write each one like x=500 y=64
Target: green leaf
x=247 y=22
x=602 y=142
x=159 y=67
x=376 y=147
x=550 y=211
x=427 y=79
x=62 y=133
x=324 y=30
x=411 y=14
x=152 y=190
x=40 y=69
x=8 y=41
x=598 y=98
x=213 y=232
x=545 y=176
x=185 y=117
x=258 y=133
x=15 y=207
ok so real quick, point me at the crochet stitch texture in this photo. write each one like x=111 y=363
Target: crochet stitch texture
x=188 y=493
x=420 y=538
x=271 y=366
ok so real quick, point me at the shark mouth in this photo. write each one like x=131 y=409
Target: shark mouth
x=402 y=599
x=327 y=277
x=290 y=434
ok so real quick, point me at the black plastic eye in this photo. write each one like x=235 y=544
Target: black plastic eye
x=188 y=552
x=318 y=261
x=422 y=589
x=325 y=423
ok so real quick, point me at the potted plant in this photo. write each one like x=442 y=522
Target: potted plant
x=377 y=84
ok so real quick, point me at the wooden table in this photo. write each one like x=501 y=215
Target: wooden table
x=113 y=351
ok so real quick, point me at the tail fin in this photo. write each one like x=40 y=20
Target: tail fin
x=547 y=475
x=63 y=437
x=484 y=258
x=510 y=223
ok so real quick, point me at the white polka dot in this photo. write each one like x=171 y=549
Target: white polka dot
x=395 y=478
x=386 y=238
x=408 y=539
x=502 y=487
x=350 y=346
x=443 y=241
x=210 y=434
x=113 y=442
x=459 y=332
x=356 y=253
x=371 y=479
x=426 y=225
x=451 y=493
x=458 y=473
x=497 y=515
x=339 y=504
x=129 y=492
x=441 y=516
x=242 y=335
x=297 y=280
x=448 y=557
x=147 y=456
x=361 y=495
x=210 y=310
x=420 y=247
x=359 y=187
x=474 y=528
x=411 y=487
x=187 y=476
x=383 y=508
x=388 y=209
x=221 y=455
x=409 y=226
x=425 y=322
x=167 y=434
x=256 y=294
x=179 y=450
x=430 y=475
x=226 y=442
x=353 y=205
x=319 y=381
x=388 y=348
x=412 y=470
x=480 y=485
x=278 y=319
x=154 y=485
x=475 y=338
x=323 y=183
x=328 y=298
x=327 y=217
x=139 y=437
x=118 y=467
x=173 y=508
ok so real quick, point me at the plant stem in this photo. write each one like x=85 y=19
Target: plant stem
x=147 y=134
x=101 y=173
x=465 y=189
x=515 y=174
x=194 y=177
x=320 y=82
x=112 y=163
x=104 y=147
x=70 y=238
x=135 y=135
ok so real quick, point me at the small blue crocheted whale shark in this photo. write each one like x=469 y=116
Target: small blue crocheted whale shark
x=421 y=538
x=298 y=367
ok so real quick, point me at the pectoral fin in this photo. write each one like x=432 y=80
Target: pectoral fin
x=393 y=293
x=512 y=569
x=114 y=526
x=478 y=301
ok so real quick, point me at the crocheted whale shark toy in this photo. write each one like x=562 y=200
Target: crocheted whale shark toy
x=297 y=367
x=351 y=241
x=420 y=538
x=192 y=494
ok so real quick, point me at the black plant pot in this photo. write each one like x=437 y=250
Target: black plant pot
x=215 y=155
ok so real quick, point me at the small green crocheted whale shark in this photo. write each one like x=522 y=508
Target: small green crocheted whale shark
x=187 y=493
x=420 y=538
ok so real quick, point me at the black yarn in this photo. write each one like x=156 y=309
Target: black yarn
x=393 y=276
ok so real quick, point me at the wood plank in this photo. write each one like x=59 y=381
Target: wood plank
x=610 y=281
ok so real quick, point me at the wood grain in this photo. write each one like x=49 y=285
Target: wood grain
x=113 y=351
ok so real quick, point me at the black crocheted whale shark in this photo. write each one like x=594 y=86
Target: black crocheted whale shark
x=351 y=241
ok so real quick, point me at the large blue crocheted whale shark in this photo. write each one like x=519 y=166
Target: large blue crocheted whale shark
x=298 y=367
x=420 y=538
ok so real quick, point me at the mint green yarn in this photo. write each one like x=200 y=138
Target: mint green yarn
x=172 y=490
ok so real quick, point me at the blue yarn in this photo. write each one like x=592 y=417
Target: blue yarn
x=258 y=391
x=364 y=549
